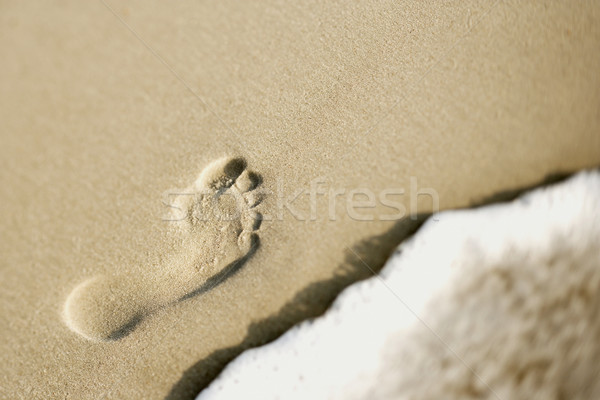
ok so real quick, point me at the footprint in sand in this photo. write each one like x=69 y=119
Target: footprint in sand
x=217 y=220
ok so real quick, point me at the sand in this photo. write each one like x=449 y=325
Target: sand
x=455 y=102
x=498 y=302
x=216 y=219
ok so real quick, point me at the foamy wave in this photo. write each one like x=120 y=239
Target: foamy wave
x=496 y=302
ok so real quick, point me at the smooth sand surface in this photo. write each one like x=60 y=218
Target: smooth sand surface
x=98 y=123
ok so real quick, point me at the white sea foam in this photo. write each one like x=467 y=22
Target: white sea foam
x=496 y=302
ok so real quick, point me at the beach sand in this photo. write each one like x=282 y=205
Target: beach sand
x=106 y=108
